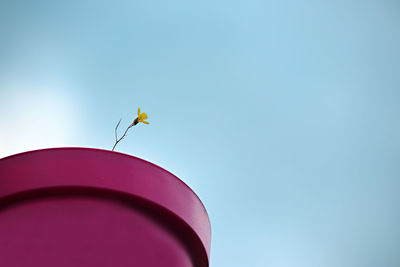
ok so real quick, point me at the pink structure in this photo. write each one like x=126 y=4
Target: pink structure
x=72 y=207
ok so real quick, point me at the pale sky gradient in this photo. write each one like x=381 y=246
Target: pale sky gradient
x=283 y=116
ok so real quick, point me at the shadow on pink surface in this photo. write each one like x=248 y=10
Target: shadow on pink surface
x=90 y=207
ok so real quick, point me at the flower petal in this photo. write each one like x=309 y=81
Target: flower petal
x=138 y=112
x=146 y=122
x=144 y=116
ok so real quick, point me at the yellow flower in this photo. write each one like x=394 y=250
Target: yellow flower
x=142 y=117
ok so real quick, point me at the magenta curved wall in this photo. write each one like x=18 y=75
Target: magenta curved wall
x=89 y=207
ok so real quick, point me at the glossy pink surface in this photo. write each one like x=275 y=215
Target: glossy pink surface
x=88 y=207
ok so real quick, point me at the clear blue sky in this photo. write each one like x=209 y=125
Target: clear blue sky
x=283 y=116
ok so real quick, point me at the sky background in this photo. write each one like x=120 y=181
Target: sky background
x=283 y=116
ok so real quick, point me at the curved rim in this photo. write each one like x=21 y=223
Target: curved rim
x=181 y=230
x=105 y=170
x=120 y=153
